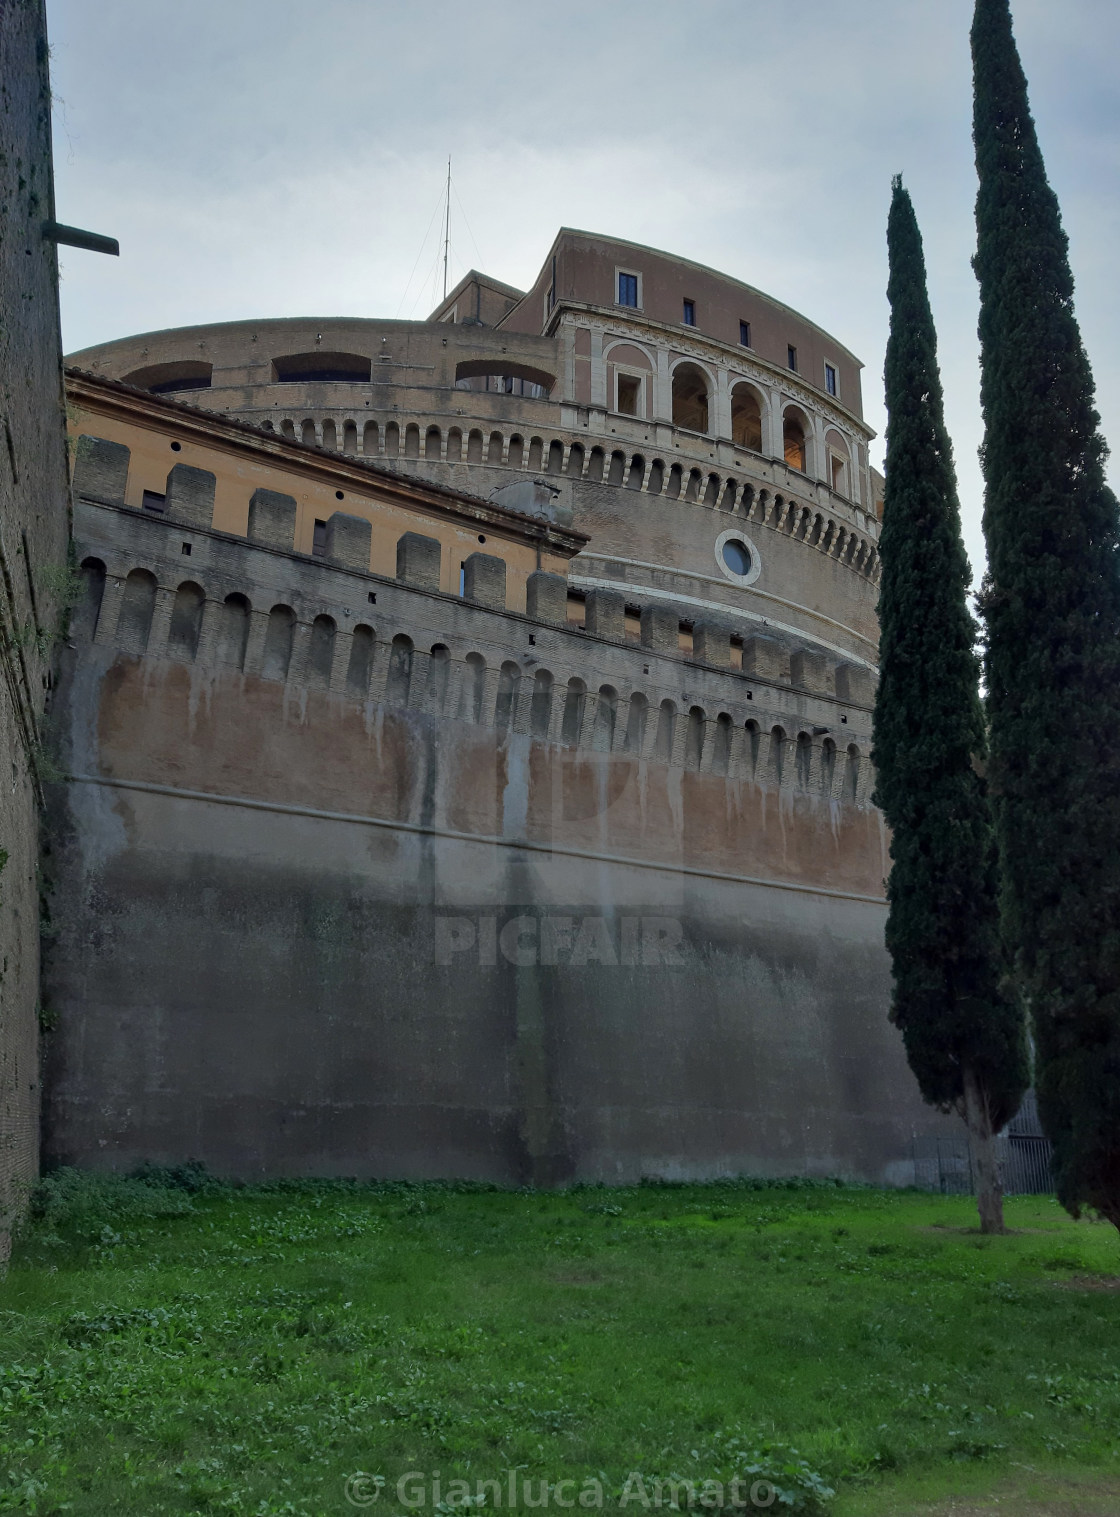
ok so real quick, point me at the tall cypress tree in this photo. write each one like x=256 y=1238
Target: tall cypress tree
x=1052 y=609
x=964 y=1038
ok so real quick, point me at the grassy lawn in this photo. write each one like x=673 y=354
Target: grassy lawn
x=245 y=1351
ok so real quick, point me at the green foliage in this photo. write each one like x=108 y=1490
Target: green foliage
x=929 y=740
x=64 y=582
x=198 y=1347
x=82 y=1203
x=1052 y=609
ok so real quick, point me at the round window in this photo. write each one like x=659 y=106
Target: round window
x=736 y=555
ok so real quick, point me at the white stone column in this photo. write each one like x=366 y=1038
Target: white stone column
x=721 y=421
x=777 y=437
x=663 y=388
x=820 y=461
x=598 y=370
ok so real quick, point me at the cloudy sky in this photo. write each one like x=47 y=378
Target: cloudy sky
x=274 y=158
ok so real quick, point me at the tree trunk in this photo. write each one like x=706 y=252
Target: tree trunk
x=989 y=1192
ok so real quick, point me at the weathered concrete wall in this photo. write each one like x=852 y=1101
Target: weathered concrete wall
x=34 y=506
x=449 y=918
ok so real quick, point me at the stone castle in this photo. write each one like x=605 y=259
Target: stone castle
x=467 y=725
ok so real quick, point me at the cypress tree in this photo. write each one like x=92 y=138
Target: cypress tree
x=964 y=1038
x=1052 y=613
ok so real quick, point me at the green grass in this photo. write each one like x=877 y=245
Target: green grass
x=245 y=1351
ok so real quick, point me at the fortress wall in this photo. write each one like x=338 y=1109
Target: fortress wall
x=307 y=929
x=34 y=511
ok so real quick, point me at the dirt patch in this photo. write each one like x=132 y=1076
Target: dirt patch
x=974 y=1232
x=1036 y=1497
x=1090 y=1283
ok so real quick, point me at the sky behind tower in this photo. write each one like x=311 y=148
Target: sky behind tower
x=267 y=158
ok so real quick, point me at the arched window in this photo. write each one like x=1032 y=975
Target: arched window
x=233 y=636
x=793 y=439
x=439 y=669
x=454 y=446
x=399 y=680
x=392 y=440
x=595 y=464
x=673 y=488
x=804 y=759
x=307 y=434
x=516 y=454
x=636 y=723
x=412 y=440
x=690 y=398
x=278 y=643
x=505 y=708
x=777 y=754
x=555 y=457
x=138 y=602
x=432 y=443
x=839 y=469
x=606 y=715
x=349 y=437
x=330 y=436
x=575 y=460
x=694 y=738
x=536 y=453
x=635 y=478
x=370 y=443
x=360 y=667
x=474 y=684
x=666 y=731
x=540 y=711
x=574 y=701
x=618 y=468
x=494 y=449
x=828 y=765
x=474 y=446
x=721 y=751
x=88 y=609
x=746 y=418
x=851 y=774
x=754 y=745
x=320 y=654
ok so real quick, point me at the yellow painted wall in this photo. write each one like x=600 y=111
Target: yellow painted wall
x=238 y=474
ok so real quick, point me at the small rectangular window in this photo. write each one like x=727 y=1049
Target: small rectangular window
x=830 y=379
x=689 y=317
x=629 y=394
x=791 y=357
x=744 y=334
x=319 y=540
x=628 y=290
x=153 y=501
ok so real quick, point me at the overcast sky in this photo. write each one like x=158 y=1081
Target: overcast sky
x=273 y=158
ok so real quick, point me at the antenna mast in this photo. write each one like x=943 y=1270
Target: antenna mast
x=447 y=227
